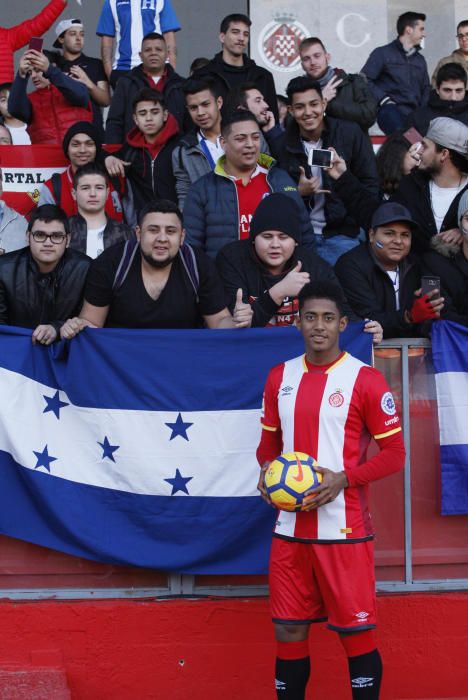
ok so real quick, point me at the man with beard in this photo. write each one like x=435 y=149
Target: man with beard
x=158 y=283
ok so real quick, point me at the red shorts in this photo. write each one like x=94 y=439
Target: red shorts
x=318 y=582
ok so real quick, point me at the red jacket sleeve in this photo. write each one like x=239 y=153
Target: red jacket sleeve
x=19 y=35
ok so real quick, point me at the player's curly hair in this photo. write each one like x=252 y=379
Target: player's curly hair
x=323 y=290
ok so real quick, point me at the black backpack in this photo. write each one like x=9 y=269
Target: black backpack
x=186 y=254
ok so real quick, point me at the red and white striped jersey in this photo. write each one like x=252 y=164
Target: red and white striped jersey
x=331 y=412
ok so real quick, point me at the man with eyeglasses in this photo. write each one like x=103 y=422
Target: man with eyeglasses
x=42 y=284
x=460 y=55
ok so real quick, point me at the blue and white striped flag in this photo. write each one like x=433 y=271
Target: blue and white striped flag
x=138 y=447
x=450 y=353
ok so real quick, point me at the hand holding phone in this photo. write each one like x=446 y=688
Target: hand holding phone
x=320 y=158
x=429 y=283
x=36 y=43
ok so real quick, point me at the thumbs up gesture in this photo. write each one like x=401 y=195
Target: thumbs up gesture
x=242 y=313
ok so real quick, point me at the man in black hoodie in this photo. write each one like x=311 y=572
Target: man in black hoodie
x=154 y=73
x=449 y=99
x=271 y=267
x=231 y=67
x=146 y=156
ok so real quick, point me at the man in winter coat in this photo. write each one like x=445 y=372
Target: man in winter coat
x=57 y=102
x=397 y=73
x=220 y=205
x=449 y=99
x=154 y=73
x=347 y=94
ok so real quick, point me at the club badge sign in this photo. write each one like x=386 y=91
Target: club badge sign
x=278 y=43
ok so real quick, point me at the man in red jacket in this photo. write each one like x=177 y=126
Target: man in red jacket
x=57 y=102
x=16 y=37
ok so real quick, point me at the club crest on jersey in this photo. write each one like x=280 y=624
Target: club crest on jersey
x=387 y=404
x=336 y=399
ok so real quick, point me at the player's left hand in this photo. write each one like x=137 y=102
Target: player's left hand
x=332 y=484
x=376 y=329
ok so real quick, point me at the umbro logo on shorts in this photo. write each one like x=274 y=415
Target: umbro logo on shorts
x=362 y=682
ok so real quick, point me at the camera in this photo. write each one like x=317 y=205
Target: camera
x=320 y=158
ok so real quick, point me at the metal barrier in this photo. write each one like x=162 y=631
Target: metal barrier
x=416 y=548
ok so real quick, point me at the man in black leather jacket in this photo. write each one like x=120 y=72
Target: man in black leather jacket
x=42 y=285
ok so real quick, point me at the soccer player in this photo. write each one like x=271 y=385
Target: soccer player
x=327 y=404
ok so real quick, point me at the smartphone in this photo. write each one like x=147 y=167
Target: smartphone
x=320 y=157
x=36 y=43
x=429 y=283
x=413 y=136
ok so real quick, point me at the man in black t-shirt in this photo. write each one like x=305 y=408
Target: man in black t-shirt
x=84 y=69
x=157 y=283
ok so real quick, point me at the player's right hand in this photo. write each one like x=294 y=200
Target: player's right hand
x=261 y=485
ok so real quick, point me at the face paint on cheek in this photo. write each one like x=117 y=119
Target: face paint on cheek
x=378 y=244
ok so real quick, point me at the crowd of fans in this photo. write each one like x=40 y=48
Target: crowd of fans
x=275 y=190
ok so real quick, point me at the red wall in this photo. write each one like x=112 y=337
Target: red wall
x=202 y=649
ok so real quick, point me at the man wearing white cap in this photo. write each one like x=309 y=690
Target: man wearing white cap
x=89 y=71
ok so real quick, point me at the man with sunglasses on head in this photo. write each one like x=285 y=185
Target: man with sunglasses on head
x=42 y=284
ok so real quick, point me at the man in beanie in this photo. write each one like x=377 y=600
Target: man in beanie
x=81 y=145
x=271 y=266
x=382 y=279
x=450 y=263
x=431 y=192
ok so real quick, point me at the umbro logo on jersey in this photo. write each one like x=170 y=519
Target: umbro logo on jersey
x=286 y=390
x=362 y=682
x=361 y=615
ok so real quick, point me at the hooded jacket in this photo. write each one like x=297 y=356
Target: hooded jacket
x=211 y=210
x=436 y=107
x=353 y=100
x=150 y=171
x=120 y=118
x=219 y=72
x=240 y=268
x=29 y=298
x=15 y=38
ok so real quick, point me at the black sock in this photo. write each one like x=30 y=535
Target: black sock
x=365 y=672
x=291 y=678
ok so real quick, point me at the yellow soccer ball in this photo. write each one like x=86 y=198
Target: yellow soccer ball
x=288 y=477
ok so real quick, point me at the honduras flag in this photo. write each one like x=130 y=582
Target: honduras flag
x=138 y=447
x=450 y=353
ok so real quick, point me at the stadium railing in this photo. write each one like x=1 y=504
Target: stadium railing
x=417 y=549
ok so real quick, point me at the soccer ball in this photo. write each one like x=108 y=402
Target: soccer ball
x=288 y=477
